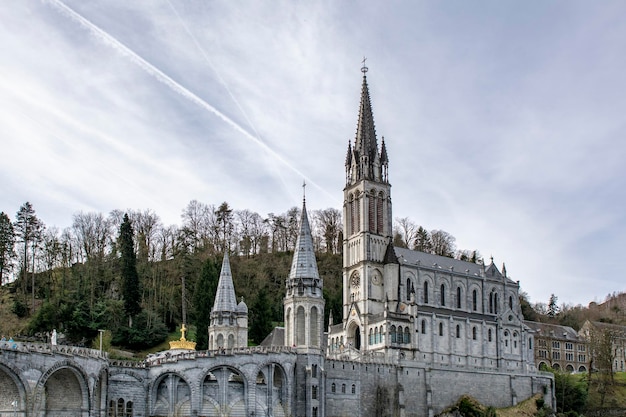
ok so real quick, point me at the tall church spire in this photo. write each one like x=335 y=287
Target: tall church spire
x=304 y=264
x=366 y=163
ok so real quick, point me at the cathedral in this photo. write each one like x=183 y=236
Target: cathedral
x=417 y=332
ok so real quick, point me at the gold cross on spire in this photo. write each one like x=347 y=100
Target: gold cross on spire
x=183 y=329
x=364 y=68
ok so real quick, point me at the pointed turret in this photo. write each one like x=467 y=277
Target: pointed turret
x=304 y=265
x=229 y=321
x=225 y=300
x=304 y=301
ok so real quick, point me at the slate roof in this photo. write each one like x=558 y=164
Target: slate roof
x=303 y=264
x=553 y=331
x=225 y=299
x=428 y=260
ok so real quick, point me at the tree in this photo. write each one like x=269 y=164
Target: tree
x=224 y=217
x=28 y=229
x=408 y=230
x=130 y=279
x=203 y=298
x=553 y=307
x=329 y=223
x=442 y=243
x=7 y=246
x=422 y=240
x=261 y=314
x=570 y=392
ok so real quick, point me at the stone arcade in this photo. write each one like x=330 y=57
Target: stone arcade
x=418 y=331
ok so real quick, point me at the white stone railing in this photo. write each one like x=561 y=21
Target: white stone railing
x=46 y=348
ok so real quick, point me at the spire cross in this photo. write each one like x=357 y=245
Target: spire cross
x=364 y=68
x=303 y=190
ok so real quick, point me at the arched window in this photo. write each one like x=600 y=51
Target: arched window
x=530 y=343
x=407 y=335
x=353 y=389
x=458 y=331
x=474 y=300
x=408 y=289
x=393 y=334
x=423 y=326
x=443 y=295
x=474 y=333
x=458 y=297
x=491 y=302
x=440 y=329
x=129 y=409
x=425 y=292
x=400 y=335
x=376 y=340
x=381 y=335
x=333 y=387
x=489 y=335
x=510 y=302
x=343 y=388
x=314 y=371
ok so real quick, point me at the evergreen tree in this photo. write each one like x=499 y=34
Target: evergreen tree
x=203 y=299
x=28 y=229
x=7 y=244
x=261 y=311
x=130 y=278
x=422 y=240
x=553 y=308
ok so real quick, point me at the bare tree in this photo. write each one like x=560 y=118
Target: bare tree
x=443 y=243
x=407 y=230
x=329 y=225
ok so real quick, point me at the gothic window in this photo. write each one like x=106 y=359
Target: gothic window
x=530 y=343
x=407 y=335
x=443 y=295
x=510 y=302
x=333 y=388
x=300 y=327
x=474 y=333
x=458 y=331
x=353 y=389
x=381 y=335
x=343 y=388
x=371 y=203
x=474 y=300
x=314 y=328
x=489 y=335
x=120 y=407
x=111 y=408
x=425 y=292
x=491 y=303
x=423 y=326
x=358 y=213
x=351 y=205
x=495 y=303
x=372 y=337
x=440 y=329
x=314 y=392
x=408 y=289
x=379 y=214
x=393 y=334
x=458 y=297
x=231 y=341
x=314 y=371
x=314 y=413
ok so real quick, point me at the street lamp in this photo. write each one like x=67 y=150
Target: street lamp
x=101 y=332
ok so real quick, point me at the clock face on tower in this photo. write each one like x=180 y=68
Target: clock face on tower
x=355 y=280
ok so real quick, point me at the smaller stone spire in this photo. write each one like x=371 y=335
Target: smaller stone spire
x=225 y=300
x=304 y=264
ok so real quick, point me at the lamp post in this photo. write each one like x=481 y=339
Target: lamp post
x=101 y=332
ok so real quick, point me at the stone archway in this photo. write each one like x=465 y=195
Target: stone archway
x=224 y=393
x=64 y=396
x=11 y=398
x=172 y=397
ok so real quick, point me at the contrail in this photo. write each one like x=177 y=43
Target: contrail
x=168 y=81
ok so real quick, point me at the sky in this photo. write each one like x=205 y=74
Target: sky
x=504 y=121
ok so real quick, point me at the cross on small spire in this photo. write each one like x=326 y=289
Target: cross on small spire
x=303 y=190
x=364 y=68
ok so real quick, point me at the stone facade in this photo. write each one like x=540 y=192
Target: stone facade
x=559 y=347
x=417 y=332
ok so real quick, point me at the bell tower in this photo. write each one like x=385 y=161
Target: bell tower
x=367 y=227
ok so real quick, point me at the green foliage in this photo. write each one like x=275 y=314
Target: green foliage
x=19 y=308
x=7 y=244
x=146 y=332
x=203 y=299
x=469 y=407
x=261 y=323
x=570 y=392
x=130 y=278
x=44 y=320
